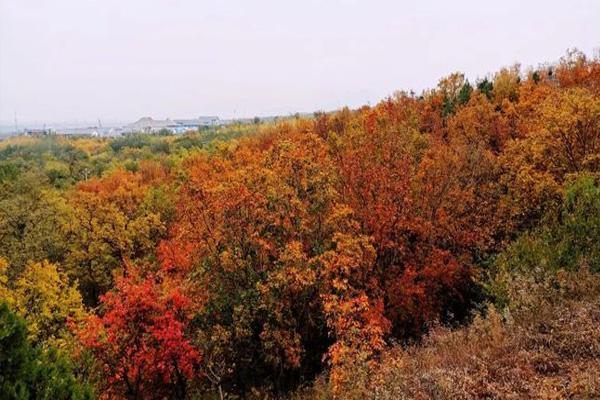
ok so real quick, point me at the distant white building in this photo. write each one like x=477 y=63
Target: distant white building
x=150 y=125
x=39 y=132
x=196 y=123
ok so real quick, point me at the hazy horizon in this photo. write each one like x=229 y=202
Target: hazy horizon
x=68 y=61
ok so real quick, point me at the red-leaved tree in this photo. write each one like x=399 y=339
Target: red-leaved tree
x=140 y=342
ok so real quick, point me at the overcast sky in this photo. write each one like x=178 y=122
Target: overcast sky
x=79 y=60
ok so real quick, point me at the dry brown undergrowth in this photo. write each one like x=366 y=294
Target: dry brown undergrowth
x=546 y=347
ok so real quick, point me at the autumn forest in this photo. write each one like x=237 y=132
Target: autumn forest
x=441 y=245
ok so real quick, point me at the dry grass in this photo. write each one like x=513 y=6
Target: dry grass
x=546 y=347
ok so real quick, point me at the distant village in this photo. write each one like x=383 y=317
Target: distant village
x=142 y=125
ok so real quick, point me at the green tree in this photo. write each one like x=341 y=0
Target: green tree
x=566 y=240
x=465 y=93
x=486 y=87
x=30 y=373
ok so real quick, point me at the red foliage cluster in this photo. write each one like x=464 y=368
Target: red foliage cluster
x=140 y=339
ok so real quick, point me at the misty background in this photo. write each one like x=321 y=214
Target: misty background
x=72 y=61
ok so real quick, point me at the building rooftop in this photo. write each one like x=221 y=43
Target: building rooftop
x=148 y=122
x=197 y=121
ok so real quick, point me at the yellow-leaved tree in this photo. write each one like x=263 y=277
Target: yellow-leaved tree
x=44 y=297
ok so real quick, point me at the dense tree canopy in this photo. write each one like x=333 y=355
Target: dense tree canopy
x=254 y=259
